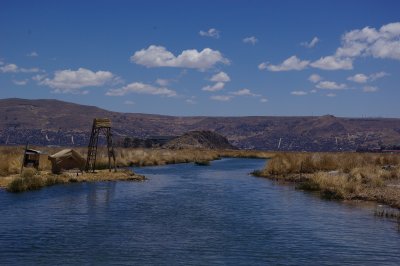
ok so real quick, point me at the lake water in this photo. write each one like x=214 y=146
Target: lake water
x=191 y=215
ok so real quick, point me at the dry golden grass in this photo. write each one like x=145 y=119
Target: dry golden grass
x=367 y=176
x=31 y=179
x=11 y=159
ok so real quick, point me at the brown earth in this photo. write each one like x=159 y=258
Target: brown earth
x=53 y=122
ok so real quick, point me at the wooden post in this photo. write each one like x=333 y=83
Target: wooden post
x=23 y=158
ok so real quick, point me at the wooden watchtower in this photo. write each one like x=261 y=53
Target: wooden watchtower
x=100 y=125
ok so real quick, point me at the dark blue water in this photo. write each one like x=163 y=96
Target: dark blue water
x=190 y=215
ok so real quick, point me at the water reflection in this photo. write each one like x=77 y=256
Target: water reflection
x=190 y=215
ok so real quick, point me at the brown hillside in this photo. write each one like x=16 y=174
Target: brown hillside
x=53 y=122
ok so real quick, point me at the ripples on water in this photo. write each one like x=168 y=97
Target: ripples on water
x=190 y=215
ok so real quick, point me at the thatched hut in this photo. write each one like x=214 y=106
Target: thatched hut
x=66 y=160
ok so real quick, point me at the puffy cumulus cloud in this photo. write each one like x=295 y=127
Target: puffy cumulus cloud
x=359 y=78
x=299 y=93
x=221 y=98
x=333 y=63
x=262 y=66
x=71 y=81
x=378 y=43
x=330 y=85
x=213 y=33
x=32 y=54
x=13 y=68
x=311 y=44
x=159 y=56
x=220 y=77
x=370 y=89
x=362 y=78
x=216 y=87
x=250 y=40
x=244 y=92
x=9 y=68
x=292 y=63
x=314 y=78
x=141 y=88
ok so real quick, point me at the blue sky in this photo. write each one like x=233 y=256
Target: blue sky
x=220 y=58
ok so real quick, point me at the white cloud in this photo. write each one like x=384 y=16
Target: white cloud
x=222 y=98
x=311 y=44
x=382 y=43
x=141 y=88
x=38 y=77
x=9 y=68
x=262 y=66
x=263 y=100
x=292 y=63
x=20 y=82
x=128 y=102
x=251 y=40
x=220 y=77
x=162 y=82
x=314 y=78
x=378 y=75
x=359 y=78
x=159 y=56
x=33 y=54
x=333 y=63
x=370 y=89
x=191 y=100
x=362 y=78
x=216 y=87
x=71 y=81
x=29 y=70
x=299 y=93
x=313 y=91
x=330 y=85
x=244 y=92
x=13 y=68
x=213 y=33
x=331 y=95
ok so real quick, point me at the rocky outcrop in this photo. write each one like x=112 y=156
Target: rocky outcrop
x=199 y=140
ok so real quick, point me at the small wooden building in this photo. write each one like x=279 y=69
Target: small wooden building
x=66 y=159
x=31 y=158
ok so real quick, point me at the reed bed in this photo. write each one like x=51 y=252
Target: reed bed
x=13 y=180
x=365 y=176
x=11 y=157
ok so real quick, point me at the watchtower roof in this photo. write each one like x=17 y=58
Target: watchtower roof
x=101 y=122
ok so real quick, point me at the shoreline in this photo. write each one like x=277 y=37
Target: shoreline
x=339 y=176
x=33 y=180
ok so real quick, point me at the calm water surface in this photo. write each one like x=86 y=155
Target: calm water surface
x=190 y=215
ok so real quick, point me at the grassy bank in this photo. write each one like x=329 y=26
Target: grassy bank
x=29 y=179
x=364 y=176
x=10 y=157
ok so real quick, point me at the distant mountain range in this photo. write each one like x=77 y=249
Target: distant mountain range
x=53 y=122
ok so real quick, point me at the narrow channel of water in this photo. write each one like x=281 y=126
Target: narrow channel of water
x=190 y=215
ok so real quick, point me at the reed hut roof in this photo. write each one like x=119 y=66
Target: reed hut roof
x=66 y=159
